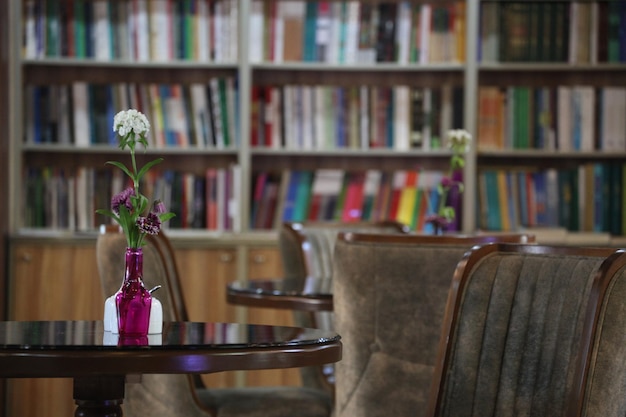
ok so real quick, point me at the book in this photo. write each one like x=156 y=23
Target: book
x=490 y=118
x=370 y=193
x=174 y=113
x=514 y=32
x=403 y=32
x=215 y=99
x=161 y=36
x=408 y=200
x=612 y=120
x=367 y=33
x=157 y=112
x=291 y=194
x=260 y=182
x=266 y=211
x=82 y=121
x=351 y=42
x=494 y=216
x=201 y=116
x=292 y=15
x=302 y=196
x=102 y=34
x=402 y=118
x=386 y=32
x=324 y=193
x=101 y=114
x=397 y=185
x=424 y=33
x=354 y=193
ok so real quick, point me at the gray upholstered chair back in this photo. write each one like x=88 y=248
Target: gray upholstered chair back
x=389 y=299
x=307 y=251
x=512 y=336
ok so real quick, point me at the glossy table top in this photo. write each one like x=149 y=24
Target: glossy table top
x=312 y=294
x=78 y=348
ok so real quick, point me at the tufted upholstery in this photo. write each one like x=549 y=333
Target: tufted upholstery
x=512 y=338
x=389 y=298
x=173 y=395
x=307 y=250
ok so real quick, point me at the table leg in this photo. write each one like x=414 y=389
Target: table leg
x=99 y=396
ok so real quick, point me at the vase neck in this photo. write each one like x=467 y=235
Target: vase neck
x=134 y=264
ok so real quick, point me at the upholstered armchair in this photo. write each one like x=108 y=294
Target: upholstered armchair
x=181 y=395
x=307 y=251
x=518 y=334
x=389 y=299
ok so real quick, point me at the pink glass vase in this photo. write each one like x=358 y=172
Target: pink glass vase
x=133 y=301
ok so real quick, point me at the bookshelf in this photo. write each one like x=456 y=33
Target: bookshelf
x=274 y=68
x=74 y=88
x=549 y=118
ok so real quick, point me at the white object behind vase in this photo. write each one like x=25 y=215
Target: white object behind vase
x=110 y=316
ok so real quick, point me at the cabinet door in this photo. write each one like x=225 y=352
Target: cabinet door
x=50 y=282
x=265 y=263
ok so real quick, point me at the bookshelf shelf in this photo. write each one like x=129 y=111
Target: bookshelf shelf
x=121 y=64
x=378 y=67
x=532 y=66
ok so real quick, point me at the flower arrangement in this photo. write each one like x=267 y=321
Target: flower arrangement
x=129 y=208
x=459 y=142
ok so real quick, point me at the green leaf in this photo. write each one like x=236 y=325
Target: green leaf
x=141 y=203
x=166 y=216
x=448 y=212
x=108 y=213
x=122 y=167
x=147 y=166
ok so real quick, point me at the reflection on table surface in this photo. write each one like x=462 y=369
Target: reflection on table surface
x=83 y=335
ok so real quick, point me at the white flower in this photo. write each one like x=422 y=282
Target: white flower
x=128 y=121
x=459 y=140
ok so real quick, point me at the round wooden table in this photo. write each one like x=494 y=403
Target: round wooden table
x=99 y=361
x=310 y=294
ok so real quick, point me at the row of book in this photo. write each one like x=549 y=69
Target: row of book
x=197 y=115
x=575 y=32
x=55 y=198
x=350 y=31
x=139 y=30
x=564 y=118
x=407 y=196
x=589 y=198
x=354 y=117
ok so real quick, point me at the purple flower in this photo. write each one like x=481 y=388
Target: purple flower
x=158 y=207
x=151 y=224
x=447 y=182
x=122 y=199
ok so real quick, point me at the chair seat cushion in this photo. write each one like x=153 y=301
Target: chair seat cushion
x=267 y=401
x=402 y=386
